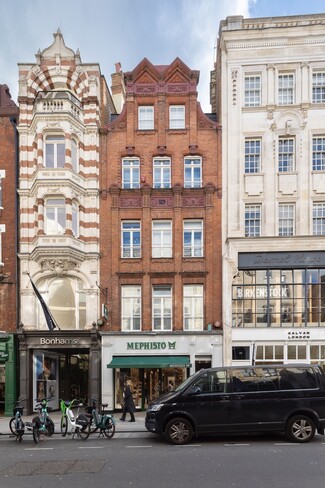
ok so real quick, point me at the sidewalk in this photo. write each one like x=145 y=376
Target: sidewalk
x=137 y=426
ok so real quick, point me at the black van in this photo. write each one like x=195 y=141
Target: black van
x=287 y=398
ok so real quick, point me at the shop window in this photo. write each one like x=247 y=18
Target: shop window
x=54 y=151
x=131 y=308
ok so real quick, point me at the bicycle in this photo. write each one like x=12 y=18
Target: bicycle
x=42 y=424
x=102 y=422
x=79 y=425
x=16 y=424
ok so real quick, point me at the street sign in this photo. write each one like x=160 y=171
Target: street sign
x=105 y=311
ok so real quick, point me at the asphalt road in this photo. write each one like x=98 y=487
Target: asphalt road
x=143 y=460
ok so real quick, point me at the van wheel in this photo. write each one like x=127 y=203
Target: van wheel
x=300 y=428
x=179 y=431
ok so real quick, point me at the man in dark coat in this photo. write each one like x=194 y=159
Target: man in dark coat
x=128 y=402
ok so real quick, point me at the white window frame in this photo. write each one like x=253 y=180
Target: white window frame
x=192 y=229
x=2 y=230
x=75 y=219
x=131 y=166
x=162 y=308
x=162 y=239
x=253 y=87
x=193 y=307
x=318 y=87
x=131 y=308
x=253 y=155
x=191 y=166
x=177 y=117
x=319 y=218
x=286 y=219
x=318 y=153
x=286 y=154
x=286 y=88
x=57 y=141
x=162 y=172
x=2 y=176
x=131 y=228
x=146 y=117
x=251 y=222
x=57 y=206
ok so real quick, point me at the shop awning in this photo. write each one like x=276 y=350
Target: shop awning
x=150 y=362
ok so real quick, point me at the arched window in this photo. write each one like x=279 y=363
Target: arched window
x=55 y=216
x=66 y=300
x=54 y=151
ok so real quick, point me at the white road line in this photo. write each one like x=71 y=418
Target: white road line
x=236 y=445
x=286 y=444
x=38 y=448
x=91 y=447
x=136 y=447
x=189 y=445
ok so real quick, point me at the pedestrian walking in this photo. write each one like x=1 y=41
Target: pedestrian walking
x=128 y=405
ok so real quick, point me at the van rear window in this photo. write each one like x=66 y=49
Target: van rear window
x=297 y=378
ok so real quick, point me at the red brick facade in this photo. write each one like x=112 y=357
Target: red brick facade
x=8 y=212
x=161 y=87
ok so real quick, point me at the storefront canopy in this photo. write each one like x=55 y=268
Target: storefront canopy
x=149 y=362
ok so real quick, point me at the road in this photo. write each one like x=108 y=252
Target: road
x=143 y=460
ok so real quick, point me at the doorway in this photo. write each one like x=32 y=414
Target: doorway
x=73 y=376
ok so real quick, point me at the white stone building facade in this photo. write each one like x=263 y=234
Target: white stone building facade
x=270 y=75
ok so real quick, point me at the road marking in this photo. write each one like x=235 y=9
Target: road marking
x=188 y=445
x=91 y=447
x=286 y=444
x=38 y=448
x=236 y=445
x=136 y=447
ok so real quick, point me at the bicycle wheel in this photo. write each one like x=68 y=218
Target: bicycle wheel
x=12 y=426
x=64 y=425
x=83 y=431
x=49 y=427
x=109 y=428
x=36 y=434
x=20 y=429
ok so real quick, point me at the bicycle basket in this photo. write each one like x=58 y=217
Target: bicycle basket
x=82 y=420
x=18 y=410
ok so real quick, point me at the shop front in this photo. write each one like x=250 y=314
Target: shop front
x=7 y=372
x=278 y=308
x=154 y=363
x=63 y=364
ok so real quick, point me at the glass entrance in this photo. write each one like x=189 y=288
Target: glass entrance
x=73 y=376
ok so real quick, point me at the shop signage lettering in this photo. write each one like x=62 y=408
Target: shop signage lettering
x=151 y=345
x=57 y=341
x=257 y=292
x=299 y=259
x=299 y=334
x=4 y=356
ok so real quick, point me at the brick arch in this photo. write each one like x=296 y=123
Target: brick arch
x=76 y=82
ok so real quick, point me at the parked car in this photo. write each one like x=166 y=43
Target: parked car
x=288 y=398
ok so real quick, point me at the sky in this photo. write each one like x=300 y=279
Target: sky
x=126 y=31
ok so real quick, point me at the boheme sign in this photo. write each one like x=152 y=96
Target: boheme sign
x=151 y=345
x=300 y=259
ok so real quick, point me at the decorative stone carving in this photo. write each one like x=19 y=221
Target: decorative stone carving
x=193 y=201
x=162 y=202
x=59 y=266
x=234 y=74
x=133 y=202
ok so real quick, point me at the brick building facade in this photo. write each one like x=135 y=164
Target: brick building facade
x=8 y=245
x=63 y=102
x=160 y=228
